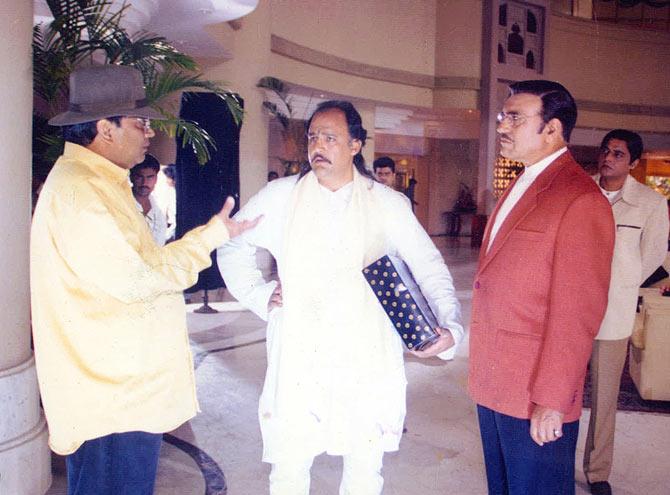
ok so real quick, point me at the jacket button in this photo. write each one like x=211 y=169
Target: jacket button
x=477 y=285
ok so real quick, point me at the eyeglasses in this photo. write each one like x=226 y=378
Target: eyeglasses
x=144 y=123
x=512 y=118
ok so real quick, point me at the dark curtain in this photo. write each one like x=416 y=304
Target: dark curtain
x=202 y=189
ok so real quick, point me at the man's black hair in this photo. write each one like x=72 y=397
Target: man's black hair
x=354 y=124
x=632 y=139
x=150 y=161
x=557 y=102
x=384 y=162
x=170 y=171
x=83 y=134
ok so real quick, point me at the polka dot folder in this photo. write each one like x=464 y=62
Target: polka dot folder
x=401 y=299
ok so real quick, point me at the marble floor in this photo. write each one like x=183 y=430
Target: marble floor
x=439 y=454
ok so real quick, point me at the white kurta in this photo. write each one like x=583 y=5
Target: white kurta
x=344 y=404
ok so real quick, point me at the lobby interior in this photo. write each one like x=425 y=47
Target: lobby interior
x=428 y=78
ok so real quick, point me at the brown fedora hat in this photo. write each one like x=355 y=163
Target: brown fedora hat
x=104 y=91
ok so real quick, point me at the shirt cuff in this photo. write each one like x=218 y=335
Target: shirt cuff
x=261 y=298
x=215 y=233
x=449 y=354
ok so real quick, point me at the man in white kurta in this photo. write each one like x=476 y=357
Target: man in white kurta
x=335 y=381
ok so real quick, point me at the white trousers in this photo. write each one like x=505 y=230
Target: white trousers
x=361 y=474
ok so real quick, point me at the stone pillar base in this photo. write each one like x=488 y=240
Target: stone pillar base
x=25 y=462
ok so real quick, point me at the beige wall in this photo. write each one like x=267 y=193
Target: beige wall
x=602 y=62
x=458 y=45
x=398 y=34
x=338 y=83
x=391 y=34
x=458 y=51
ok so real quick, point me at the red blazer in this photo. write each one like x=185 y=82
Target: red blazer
x=540 y=294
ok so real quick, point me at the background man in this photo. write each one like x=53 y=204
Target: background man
x=384 y=168
x=109 y=326
x=641 y=219
x=143 y=177
x=539 y=296
x=272 y=175
x=335 y=381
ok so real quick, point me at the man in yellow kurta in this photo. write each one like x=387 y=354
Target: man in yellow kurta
x=111 y=346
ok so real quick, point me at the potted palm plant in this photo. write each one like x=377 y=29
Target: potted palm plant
x=86 y=32
x=293 y=128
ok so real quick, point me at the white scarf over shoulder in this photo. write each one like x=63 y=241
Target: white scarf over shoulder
x=337 y=372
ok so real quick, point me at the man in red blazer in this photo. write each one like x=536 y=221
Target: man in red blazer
x=540 y=293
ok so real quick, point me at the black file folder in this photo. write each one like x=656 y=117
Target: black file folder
x=399 y=295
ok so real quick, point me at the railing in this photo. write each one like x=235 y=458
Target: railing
x=643 y=14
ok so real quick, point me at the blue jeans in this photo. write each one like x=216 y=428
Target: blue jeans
x=116 y=464
x=516 y=465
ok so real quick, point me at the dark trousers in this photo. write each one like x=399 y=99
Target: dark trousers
x=516 y=465
x=117 y=464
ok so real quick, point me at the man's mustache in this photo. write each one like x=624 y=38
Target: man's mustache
x=504 y=136
x=319 y=156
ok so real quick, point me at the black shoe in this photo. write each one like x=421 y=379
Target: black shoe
x=600 y=488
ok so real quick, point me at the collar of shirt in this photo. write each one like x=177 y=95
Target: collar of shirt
x=152 y=210
x=98 y=164
x=531 y=172
x=612 y=196
x=625 y=194
x=339 y=198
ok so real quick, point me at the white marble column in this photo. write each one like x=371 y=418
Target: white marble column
x=25 y=467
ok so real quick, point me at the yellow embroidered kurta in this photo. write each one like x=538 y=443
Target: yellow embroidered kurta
x=109 y=324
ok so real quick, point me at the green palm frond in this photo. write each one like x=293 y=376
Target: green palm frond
x=274 y=111
x=281 y=89
x=171 y=80
x=51 y=70
x=190 y=133
x=145 y=47
x=275 y=85
x=84 y=29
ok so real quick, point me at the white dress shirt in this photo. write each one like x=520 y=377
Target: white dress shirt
x=155 y=220
x=526 y=179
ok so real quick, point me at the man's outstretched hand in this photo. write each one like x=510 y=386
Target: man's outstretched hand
x=234 y=227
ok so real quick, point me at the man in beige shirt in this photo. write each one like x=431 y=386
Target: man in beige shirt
x=111 y=347
x=641 y=219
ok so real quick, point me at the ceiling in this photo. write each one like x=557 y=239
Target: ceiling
x=183 y=22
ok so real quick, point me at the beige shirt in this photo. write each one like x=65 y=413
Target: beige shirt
x=641 y=243
x=109 y=325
